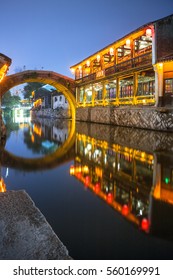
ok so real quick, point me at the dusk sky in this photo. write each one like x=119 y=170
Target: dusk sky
x=55 y=34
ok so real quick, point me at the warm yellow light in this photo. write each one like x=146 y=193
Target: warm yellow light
x=111 y=51
x=37 y=130
x=88 y=63
x=72 y=170
x=72 y=70
x=148 y=32
x=2 y=185
x=3 y=70
x=98 y=57
x=85 y=169
x=128 y=43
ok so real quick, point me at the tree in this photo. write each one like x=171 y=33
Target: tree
x=29 y=88
x=9 y=100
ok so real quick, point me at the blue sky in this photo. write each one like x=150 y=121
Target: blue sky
x=56 y=34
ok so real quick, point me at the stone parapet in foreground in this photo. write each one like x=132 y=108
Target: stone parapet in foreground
x=25 y=233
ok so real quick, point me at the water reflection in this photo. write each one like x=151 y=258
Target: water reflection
x=47 y=144
x=119 y=197
x=135 y=179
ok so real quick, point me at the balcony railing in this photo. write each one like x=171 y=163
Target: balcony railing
x=142 y=60
x=119 y=101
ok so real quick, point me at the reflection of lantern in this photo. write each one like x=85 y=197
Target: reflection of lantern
x=125 y=210
x=128 y=43
x=145 y=224
x=148 y=32
x=87 y=180
x=109 y=197
x=79 y=175
x=97 y=187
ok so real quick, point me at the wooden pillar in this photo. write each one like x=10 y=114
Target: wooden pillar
x=135 y=87
x=77 y=95
x=117 y=90
x=93 y=96
x=84 y=98
x=158 y=68
x=104 y=93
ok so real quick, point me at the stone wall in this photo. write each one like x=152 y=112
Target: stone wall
x=139 y=117
x=50 y=113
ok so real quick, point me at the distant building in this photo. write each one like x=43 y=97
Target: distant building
x=59 y=101
x=48 y=97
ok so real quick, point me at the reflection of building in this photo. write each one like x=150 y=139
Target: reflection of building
x=136 y=69
x=132 y=181
x=49 y=132
x=21 y=115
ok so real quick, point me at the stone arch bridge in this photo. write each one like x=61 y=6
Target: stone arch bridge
x=62 y=83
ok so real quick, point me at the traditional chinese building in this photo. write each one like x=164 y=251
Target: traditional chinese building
x=134 y=70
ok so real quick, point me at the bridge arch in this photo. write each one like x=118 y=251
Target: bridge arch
x=62 y=83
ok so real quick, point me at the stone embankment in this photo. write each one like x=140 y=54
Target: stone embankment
x=155 y=118
x=25 y=233
x=50 y=113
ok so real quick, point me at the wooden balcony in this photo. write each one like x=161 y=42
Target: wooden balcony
x=144 y=59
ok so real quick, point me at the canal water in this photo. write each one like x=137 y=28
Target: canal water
x=106 y=191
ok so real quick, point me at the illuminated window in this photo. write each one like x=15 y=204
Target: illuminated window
x=168 y=85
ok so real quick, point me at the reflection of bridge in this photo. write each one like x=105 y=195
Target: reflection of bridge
x=62 y=83
x=62 y=155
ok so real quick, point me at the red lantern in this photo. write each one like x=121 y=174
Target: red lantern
x=145 y=224
x=125 y=210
